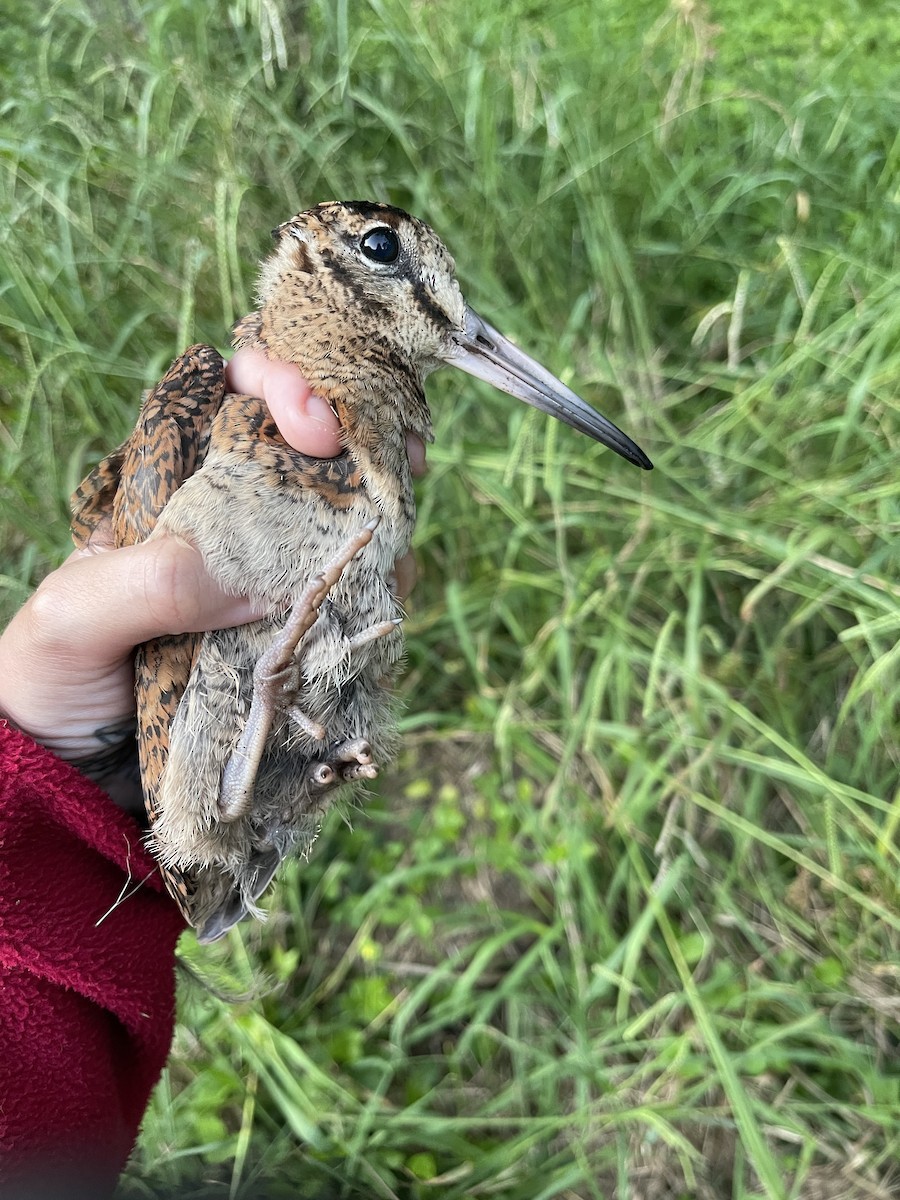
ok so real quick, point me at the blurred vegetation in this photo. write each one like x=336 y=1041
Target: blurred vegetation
x=622 y=920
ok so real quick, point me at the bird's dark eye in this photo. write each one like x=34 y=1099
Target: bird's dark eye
x=381 y=245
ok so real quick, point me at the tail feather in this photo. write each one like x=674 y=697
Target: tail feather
x=240 y=901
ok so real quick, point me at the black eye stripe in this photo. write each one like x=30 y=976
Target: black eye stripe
x=381 y=245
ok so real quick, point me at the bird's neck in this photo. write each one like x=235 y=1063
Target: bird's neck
x=376 y=440
x=376 y=395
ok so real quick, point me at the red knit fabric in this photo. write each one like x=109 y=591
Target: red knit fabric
x=87 y=986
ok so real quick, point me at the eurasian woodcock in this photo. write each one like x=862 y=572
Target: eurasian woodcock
x=244 y=734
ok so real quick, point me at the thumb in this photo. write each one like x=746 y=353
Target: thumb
x=103 y=602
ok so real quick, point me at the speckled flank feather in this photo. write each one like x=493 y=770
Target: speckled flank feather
x=132 y=486
x=245 y=733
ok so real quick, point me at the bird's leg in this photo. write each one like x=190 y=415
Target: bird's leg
x=239 y=775
x=312 y=728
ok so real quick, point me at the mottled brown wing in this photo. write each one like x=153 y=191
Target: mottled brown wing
x=94 y=497
x=169 y=441
x=133 y=486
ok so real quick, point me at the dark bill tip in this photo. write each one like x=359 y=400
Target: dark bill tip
x=484 y=352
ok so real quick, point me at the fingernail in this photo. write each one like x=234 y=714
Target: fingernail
x=320 y=410
x=240 y=612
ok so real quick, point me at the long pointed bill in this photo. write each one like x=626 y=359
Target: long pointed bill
x=482 y=351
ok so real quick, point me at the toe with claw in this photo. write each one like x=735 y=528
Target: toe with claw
x=349 y=762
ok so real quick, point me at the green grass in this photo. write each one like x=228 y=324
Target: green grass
x=622 y=921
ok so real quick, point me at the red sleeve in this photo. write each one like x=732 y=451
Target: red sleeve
x=87 y=987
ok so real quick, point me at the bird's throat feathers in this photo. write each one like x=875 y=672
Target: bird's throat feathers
x=376 y=399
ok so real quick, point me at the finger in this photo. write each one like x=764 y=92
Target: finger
x=415 y=448
x=404 y=576
x=101 y=539
x=98 y=606
x=304 y=420
x=65 y=657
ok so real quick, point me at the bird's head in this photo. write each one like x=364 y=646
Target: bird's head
x=369 y=281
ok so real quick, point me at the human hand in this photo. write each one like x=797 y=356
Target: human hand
x=66 y=673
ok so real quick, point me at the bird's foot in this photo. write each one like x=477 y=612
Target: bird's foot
x=310 y=727
x=382 y=629
x=269 y=677
x=348 y=762
x=287 y=680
